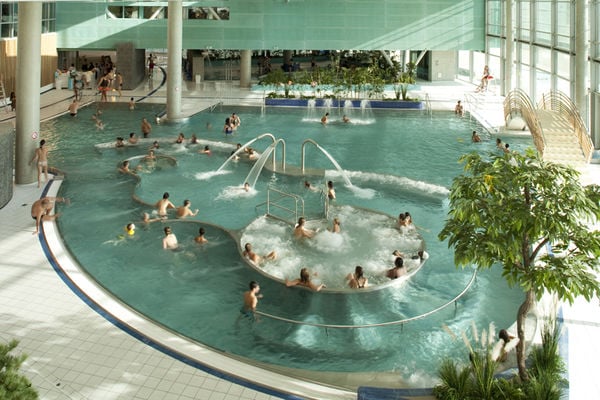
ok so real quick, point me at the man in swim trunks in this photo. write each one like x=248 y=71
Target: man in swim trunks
x=164 y=204
x=146 y=127
x=251 y=297
x=40 y=210
x=41 y=156
x=398 y=269
x=170 y=240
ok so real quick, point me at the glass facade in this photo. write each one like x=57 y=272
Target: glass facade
x=9 y=18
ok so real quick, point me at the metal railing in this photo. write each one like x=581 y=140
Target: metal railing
x=518 y=102
x=561 y=103
x=275 y=199
x=389 y=323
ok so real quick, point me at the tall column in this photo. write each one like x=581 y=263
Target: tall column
x=28 y=89
x=245 y=68
x=508 y=50
x=174 y=43
x=581 y=58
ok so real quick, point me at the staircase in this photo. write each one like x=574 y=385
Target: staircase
x=561 y=145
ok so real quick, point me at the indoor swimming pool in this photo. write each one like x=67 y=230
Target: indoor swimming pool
x=390 y=162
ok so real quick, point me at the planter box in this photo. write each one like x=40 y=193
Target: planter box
x=335 y=103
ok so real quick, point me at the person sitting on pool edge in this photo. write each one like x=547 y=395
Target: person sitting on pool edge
x=255 y=258
x=305 y=281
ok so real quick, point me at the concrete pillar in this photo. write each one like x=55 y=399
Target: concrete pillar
x=581 y=58
x=174 y=43
x=28 y=89
x=508 y=50
x=245 y=68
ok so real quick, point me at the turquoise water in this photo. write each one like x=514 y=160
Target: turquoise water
x=397 y=161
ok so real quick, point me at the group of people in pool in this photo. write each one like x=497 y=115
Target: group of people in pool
x=325 y=119
x=232 y=123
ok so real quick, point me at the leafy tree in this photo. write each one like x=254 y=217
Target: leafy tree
x=13 y=386
x=508 y=210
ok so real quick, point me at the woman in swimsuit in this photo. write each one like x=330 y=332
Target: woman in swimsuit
x=305 y=281
x=357 y=280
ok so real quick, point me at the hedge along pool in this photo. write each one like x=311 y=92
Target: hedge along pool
x=396 y=161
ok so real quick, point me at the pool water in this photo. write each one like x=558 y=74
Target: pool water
x=396 y=162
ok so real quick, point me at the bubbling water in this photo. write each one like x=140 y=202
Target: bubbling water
x=366 y=238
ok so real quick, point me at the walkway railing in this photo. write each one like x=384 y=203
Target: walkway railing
x=390 y=323
x=518 y=102
x=561 y=103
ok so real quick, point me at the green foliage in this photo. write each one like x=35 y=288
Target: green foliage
x=506 y=209
x=455 y=382
x=13 y=386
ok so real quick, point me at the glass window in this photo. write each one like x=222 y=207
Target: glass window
x=494 y=46
x=543 y=22
x=155 y=12
x=543 y=58
x=524 y=23
x=525 y=54
x=563 y=85
x=494 y=17
x=563 y=64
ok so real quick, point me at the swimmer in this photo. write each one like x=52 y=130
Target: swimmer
x=124 y=169
x=170 y=240
x=335 y=227
x=305 y=281
x=325 y=118
x=310 y=187
x=200 y=238
x=163 y=205
x=132 y=138
x=357 y=280
x=345 y=119
x=131 y=104
x=506 y=148
x=235 y=121
x=206 y=151
x=458 y=109
x=180 y=139
x=184 y=210
x=255 y=258
x=301 y=232
x=398 y=269
x=41 y=157
x=246 y=187
x=130 y=229
x=150 y=156
x=145 y=127
x=40 y=210
x=499 y=144
x=120 y=142
x=234 y=156
x=155 y=145
x=194 y=139
x=252 y=154
x=475 y=137
x=251 y=299
x=330 y=191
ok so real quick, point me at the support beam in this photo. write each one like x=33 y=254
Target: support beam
x=245 y=68
x=581 y=58
x=28 y=89
x=174 y=43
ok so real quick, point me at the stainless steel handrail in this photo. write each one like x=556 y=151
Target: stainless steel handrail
x=518 y=102
x=561 y=103
x=390 y=323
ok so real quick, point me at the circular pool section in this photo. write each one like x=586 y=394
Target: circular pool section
x=404 y=160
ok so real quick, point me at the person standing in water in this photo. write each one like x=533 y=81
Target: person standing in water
x=251 y=297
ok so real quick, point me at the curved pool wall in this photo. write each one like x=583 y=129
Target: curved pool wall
x=184 y=290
